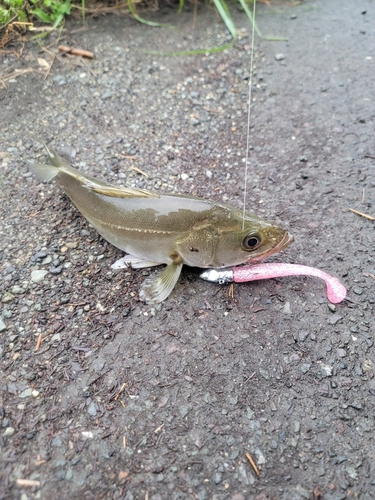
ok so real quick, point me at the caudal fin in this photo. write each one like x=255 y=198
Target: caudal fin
x=43 y=172
x=46 y=172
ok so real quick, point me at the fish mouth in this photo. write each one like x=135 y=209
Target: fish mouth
x=286 y=240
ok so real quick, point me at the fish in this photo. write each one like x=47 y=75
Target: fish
x=170 y=229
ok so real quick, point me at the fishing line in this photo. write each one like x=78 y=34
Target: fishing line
x=249 y=116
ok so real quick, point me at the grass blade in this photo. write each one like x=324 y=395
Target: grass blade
x=257 y=30
x=145 y=21
x=225 y=16
x=181 y=6
x=196 y=52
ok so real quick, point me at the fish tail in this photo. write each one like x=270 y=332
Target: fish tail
x=45 y=172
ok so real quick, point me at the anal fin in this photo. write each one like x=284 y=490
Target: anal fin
x=158 y=288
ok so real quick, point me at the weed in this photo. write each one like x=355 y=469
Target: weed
x=11 y=10
x=54 y=12
x=51 y=11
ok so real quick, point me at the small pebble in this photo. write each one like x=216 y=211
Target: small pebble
x=303 y=492
x=287 y=309
x=279 y=57
x=3 y=326
x=335 y=318
x=59 y=79
x=107 y=95
x=356 y=405
x=40 y=255
x=216 y=478
x=305 y=367
x=194 y=121
x=303 y=336
x=72 y=244
x=7 y=297
x=38 y=275
x=9 y=431
x=55 y=270
x=47 y=260
x=26 y=393
x=92 y=409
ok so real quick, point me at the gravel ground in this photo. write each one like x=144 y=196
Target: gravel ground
x=122 y=400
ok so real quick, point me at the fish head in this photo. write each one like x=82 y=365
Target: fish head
x=226 y=239
x=250 y=241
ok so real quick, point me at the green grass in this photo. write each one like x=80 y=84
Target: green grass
x=11 y=10
x=51 y=11
x=54 y=13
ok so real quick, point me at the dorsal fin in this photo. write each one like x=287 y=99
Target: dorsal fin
x=117 y=191
x=47 y=172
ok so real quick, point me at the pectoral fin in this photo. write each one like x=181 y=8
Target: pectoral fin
x=133 y=262
x=157 y=288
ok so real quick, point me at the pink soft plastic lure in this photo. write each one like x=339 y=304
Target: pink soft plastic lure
x=336 y=292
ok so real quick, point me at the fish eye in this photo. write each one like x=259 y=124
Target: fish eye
x=251 y=241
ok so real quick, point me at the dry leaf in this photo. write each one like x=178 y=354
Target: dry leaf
x=42 y=62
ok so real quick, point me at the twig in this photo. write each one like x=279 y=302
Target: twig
x=39 y=341
x=250 y=377
x=88 y=67
x=212 y=110
x=128 y=157
x=75 y=52
x=139 y=171
x=50 y=66
x=120 y=391
x=27 y=482
x=370 y=217
x=253 y=464
x=15 y=74
x=158 y=429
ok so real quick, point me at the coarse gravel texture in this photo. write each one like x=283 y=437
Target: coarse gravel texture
x=122 y=400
